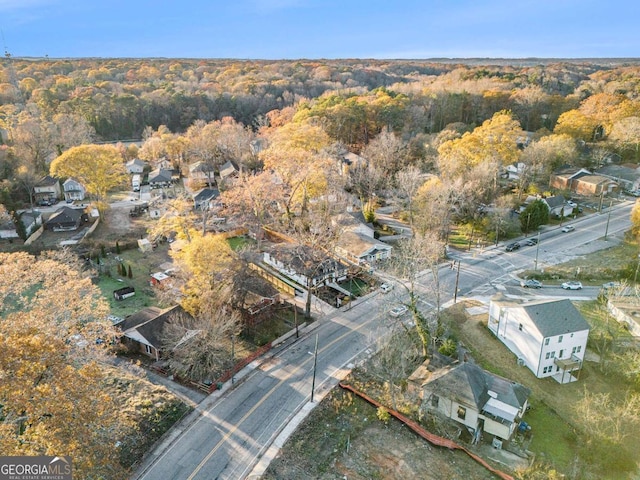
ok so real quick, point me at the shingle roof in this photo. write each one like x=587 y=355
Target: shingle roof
x=149 y=323
x=206 y=194
x=47 y=181
x=66 y=215
x=555 y=317
x=469 y=384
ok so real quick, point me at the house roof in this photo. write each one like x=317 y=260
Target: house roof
x=66 y=215
x=146 y=325
x=571 y=172
x=596 y=180
x=555 y=317
x=160 y=175
x=206 y=194
x=227 y=169
x=47 y=181
x=137 y=162
x=304 y=260
x=620 y=172
x=359 y=244
x=469 y=384
x=555 y=201
x=202 y=167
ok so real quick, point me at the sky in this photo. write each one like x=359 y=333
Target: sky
x=321 y=29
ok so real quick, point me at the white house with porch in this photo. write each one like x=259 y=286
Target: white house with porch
x=549 y=337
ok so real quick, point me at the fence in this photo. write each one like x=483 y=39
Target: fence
x=239 y=366
x=428 y=436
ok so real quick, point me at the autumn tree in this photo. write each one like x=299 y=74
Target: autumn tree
x=206 y=265
x=98 y=167
x=256 y=199
x=54 y=337
x=626 y=135
x=296 y=154
x=495 y=140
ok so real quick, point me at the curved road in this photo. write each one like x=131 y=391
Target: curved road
x=227 y=435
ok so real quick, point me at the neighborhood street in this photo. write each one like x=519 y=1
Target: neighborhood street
x=228 y=434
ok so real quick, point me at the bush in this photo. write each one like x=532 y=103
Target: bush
x=383 y=415
x=448 y=347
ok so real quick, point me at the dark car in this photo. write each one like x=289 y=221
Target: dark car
x=532 y=241
x=513 y=246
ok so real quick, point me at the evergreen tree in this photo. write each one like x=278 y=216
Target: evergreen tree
x=117 y=248
x=130 y=275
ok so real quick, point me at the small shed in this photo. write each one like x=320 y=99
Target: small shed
x=158 y=278
x=144 y=245
x=124 y=292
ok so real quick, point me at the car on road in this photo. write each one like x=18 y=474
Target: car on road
x=532 y=241
x=572 y=285
x=610 y=285
x=530 y=283
x=385 y=287
x=568 y=228
x=398 y=311
x=512 y=246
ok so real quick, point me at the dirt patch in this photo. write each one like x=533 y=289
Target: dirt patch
x=343 y=438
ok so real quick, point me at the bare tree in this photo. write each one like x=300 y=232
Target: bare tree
x=199 y=346
x=418 y=258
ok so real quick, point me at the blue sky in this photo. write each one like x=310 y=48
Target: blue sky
x=290 y=29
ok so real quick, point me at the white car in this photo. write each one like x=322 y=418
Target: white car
x=572 y=285
x=385 y=287
x=398 y=311
x=572 y=204
x=568 y=228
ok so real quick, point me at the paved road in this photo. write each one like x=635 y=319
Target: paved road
x=228 y=435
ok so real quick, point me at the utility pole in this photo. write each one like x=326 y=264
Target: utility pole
x=535 y=264
x=455 y=292
x=606 y=230
x=315 y=362
x=233 y=357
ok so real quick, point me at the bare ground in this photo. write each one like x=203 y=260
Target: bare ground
x=343 y=438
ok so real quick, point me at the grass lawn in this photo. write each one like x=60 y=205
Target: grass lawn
x=236 y=243
x=142 y=264
x=557 y=429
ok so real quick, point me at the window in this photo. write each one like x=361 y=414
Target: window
x=560 y=339
x=147 y=348
x=434 y=401
x=520 y=327
x=547 y=355
x=462 y=413
x=546 y=370
x=560 y=354
x=553 y=354
x=579 y=348
x=573 y=350
x=546 y=341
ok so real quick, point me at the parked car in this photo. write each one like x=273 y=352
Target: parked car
x=572 y=204
x=512 y=246
x=398 y=311
x=572 y=285
x=530 y=283
x=568 y=228
x=532 y=241
x=385 y=287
